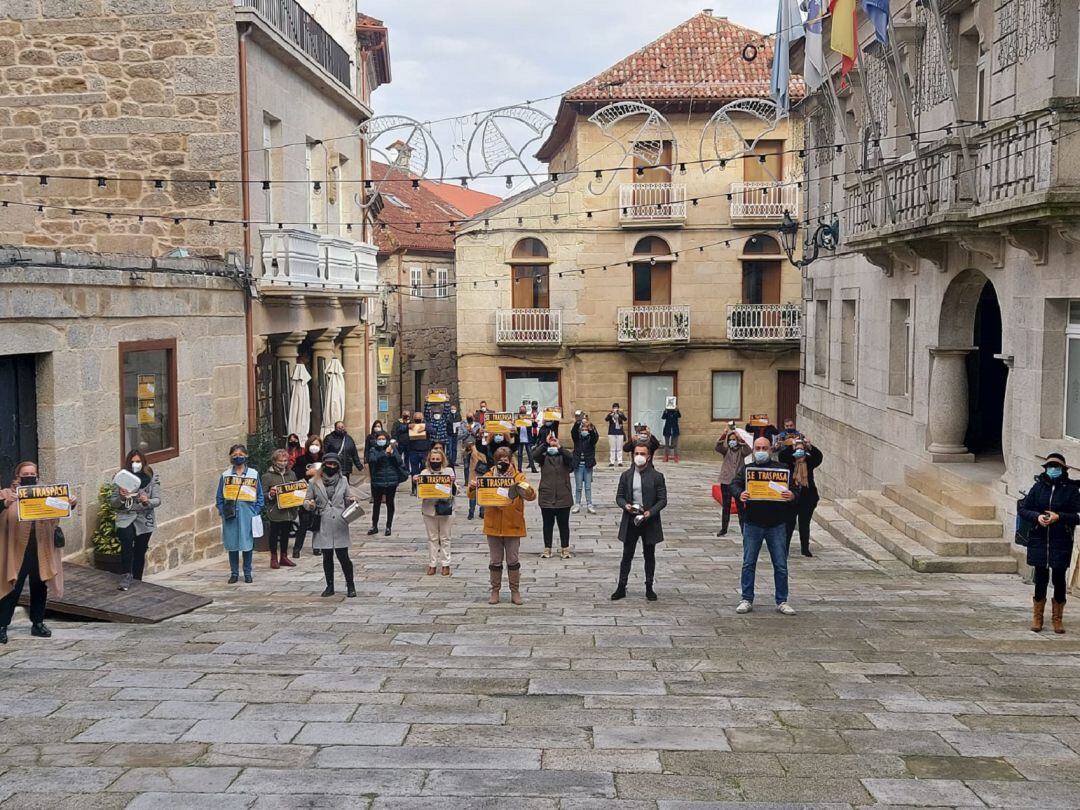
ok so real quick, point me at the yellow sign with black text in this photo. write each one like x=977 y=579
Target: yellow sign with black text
x=767 y=483
x=434 y=487
x=438 y=396
x=501 y=422
x=43 y=501
x=494 y=490
x=291 y=496
x=239 y=488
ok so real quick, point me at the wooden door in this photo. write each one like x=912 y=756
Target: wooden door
x=761 y=282
x=18 y=412
x=772 y=170
x=787 y=395
x=531 y=289
x=652 y=284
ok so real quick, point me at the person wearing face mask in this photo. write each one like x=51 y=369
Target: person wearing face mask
x=387 y=470
x=438 y=429
x=328 y=496
x=733 y=447
x=1052 y=507
x=525 y=438
x=340 y=443
x=616 y=421
x=28 y=551
x=556 y=495
x=294 y=447
x=453 y=424
x=281 y=520
x=670 y=418
x=369 y=440
x=419 y=443
x=642 y=434
x=468 y=428
x=802 y=458
x=481 y=413
x=548 y=427
x=438 y=517
x=764 y=522
x=788 y=435
x=491 y=442
x=505 y=526
x=642 y=495
x=237 y=514
x=400 y=433
x=475 y=464
x=135 y=518
x=585 y=437
x=304 y=468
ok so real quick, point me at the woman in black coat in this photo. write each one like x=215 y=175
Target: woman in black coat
x=641 y=496
x=585 y=436
x=386 y=466
x=1053 y=506
x=802 y=458
x=555 y=495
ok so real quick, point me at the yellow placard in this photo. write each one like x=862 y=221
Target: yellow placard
x=291 y=496
x=494 y=490
x=523 y=422
x=239 y=488
x=552 y=414
x=417 y=430
x=43 y=501
x=499 y=422
x=767 y=483
x=759 y=419
x=438 y=396
x=147 y=386
x=146 y=412
x=430 y=486
x=386 y=360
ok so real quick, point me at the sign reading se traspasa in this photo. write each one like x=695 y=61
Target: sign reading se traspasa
x=43 y=501
x=494 y=490
x=767 y=483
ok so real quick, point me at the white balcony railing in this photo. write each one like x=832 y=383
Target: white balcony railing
x=763 y=201
x=652 y=202
x=764 y=322
x=659 y=324
x=298 y=261
x=528 y=327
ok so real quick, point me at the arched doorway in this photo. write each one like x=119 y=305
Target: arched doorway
x=987 y=376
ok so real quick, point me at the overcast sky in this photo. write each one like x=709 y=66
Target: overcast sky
x=451 y=57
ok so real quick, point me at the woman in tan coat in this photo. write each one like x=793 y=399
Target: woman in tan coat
x=27 y=551
x=505 y=526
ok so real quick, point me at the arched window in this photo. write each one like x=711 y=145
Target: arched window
x=761 y=277
x=651 y=246
x=652 y=278
x=529 y=275
x=760 y=243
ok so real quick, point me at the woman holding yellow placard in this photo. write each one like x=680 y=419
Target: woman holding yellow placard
x=281 y=516
x=438 y=513
x=504 y=522
x=239 y=502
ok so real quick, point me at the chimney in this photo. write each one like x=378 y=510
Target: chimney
x=707 y=12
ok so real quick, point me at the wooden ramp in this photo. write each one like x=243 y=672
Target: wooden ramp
x=93 y=594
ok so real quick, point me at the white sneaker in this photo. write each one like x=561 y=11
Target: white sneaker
x=591 y=509
x=575 y=509
x=744 y=607
x=786 y=609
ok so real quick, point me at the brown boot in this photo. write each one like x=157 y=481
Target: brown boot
x=665 y=455
x=1057 y=611
x=514 y=574
x=495 y=574
x=273 y=559
x=1038 y=609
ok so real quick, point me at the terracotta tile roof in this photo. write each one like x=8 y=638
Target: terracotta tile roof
x=404 y=206
x=699 y=59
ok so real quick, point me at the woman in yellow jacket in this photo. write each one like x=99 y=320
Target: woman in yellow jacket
x=505 y=526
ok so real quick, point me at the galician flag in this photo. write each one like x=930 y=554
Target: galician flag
x=788 y=30
x=843 y=32
x=814 y=69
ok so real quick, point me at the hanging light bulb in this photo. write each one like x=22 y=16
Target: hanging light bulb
x=509 y=181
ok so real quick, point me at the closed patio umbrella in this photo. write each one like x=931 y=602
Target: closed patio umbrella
x=300 y=403
x=334 y=401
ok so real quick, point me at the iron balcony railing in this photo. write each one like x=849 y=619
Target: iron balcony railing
x=654 y=324
x=301 y=29
x=652 y=202
x=764 y=322
x=528 y=327
x=760 y=201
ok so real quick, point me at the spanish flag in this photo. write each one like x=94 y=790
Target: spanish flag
x=843 y=38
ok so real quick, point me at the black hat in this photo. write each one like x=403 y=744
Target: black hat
x=1055 y=458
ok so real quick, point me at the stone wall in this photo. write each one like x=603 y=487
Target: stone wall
x=71 y=311
x=124 y=88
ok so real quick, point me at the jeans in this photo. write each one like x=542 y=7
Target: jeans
x=633 y=533
x=378 y=495
x=549 y=517
x=775 y=537
x=583 y=480
x=234 y=563
x=133 y=550
x=416 y=461
x=279 y=536
x=524 y=453
x=39 y=591
x=1042 y=580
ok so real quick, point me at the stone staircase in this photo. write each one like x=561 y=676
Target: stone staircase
x=936 y=521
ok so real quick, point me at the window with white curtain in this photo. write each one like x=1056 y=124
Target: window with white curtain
x=442 y=282
x=416 y=281
x=726 y=395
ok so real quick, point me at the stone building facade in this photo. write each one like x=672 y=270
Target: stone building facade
x=940 y=335
x=685 y=289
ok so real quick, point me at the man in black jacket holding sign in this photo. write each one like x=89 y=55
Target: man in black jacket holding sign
x=764 y=521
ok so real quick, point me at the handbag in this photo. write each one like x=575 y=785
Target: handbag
x=1022 y=530
x=444 y=507
x=58 y=538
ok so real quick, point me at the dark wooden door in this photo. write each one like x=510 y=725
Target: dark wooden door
x=787 y=395
x=18 y=412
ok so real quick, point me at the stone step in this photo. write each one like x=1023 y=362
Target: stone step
x=850 y=537
x=973 y=501
x=948 y=520
x=927 y=534
x=914 y=554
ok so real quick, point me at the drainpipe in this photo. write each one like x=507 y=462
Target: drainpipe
x=245 y=202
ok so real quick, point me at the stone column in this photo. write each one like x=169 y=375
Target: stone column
x=322 y=348
x=352 y=358
x=1007 y=416
x=948 y=407
x=287 y=349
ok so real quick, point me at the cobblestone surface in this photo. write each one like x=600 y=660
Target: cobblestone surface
x=889 y=687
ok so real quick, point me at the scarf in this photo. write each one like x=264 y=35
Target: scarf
x=801 y=477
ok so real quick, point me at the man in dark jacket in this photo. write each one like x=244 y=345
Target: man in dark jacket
x=641 y=496
x=340 y=442
x=802 y=458
x=764 y=521
x=642 y=434
x=670 y=418
x=1053 y=506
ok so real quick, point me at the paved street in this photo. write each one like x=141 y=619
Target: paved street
x=888 y=688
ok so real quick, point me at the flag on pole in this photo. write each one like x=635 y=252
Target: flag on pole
x=878 y=12
x=814 y=70
x=788 y=30
x=843 y=33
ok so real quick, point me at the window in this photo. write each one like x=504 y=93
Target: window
x=821 y=338
x=899 y=347
x=148 y=399
x=529 y=249
x=314 y=197
x=419 y=394
x=529 y=384
x=529 y=275
x=761 y=277
x=652 y=281
x=766 y=164
x=416 y=281
x=1072 y=372
x=726 y=395
x=848 y=339
x=271 y=160
x=442 y=282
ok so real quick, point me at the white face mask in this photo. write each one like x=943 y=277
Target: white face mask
x=315 y=448
x=641 y=461
x=136 y=466
x=438 y=416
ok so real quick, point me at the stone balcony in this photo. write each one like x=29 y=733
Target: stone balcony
x=764 y=323
x=653 y=324
x=297 y=261
x=528 y=327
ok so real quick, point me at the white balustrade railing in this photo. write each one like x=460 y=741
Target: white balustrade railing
x=653 y=324
x=528 y=326
x=650 y=202
x=299 y=260
x=764 y=322
x=763 y=201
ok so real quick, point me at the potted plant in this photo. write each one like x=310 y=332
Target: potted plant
x=106 y=541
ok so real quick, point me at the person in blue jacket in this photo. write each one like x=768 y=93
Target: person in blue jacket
x=237 y=513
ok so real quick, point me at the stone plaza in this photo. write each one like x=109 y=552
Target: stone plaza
x=889 y=688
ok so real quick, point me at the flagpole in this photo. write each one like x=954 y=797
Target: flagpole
x=969 y=163
x=890 y=206
x=902 y=93
x=838 y=114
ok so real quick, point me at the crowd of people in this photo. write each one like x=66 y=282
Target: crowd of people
x=766 y=477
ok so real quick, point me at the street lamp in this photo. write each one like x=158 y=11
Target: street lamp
x=825 y=237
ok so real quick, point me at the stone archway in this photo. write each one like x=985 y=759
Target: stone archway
x=963 y=375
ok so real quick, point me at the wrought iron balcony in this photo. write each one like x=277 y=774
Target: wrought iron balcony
x=528 y=327
x=296 y=25
x=654 y=324
x=296 y=261
x=652 y=203
x=763 y=202
x=764 y=323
